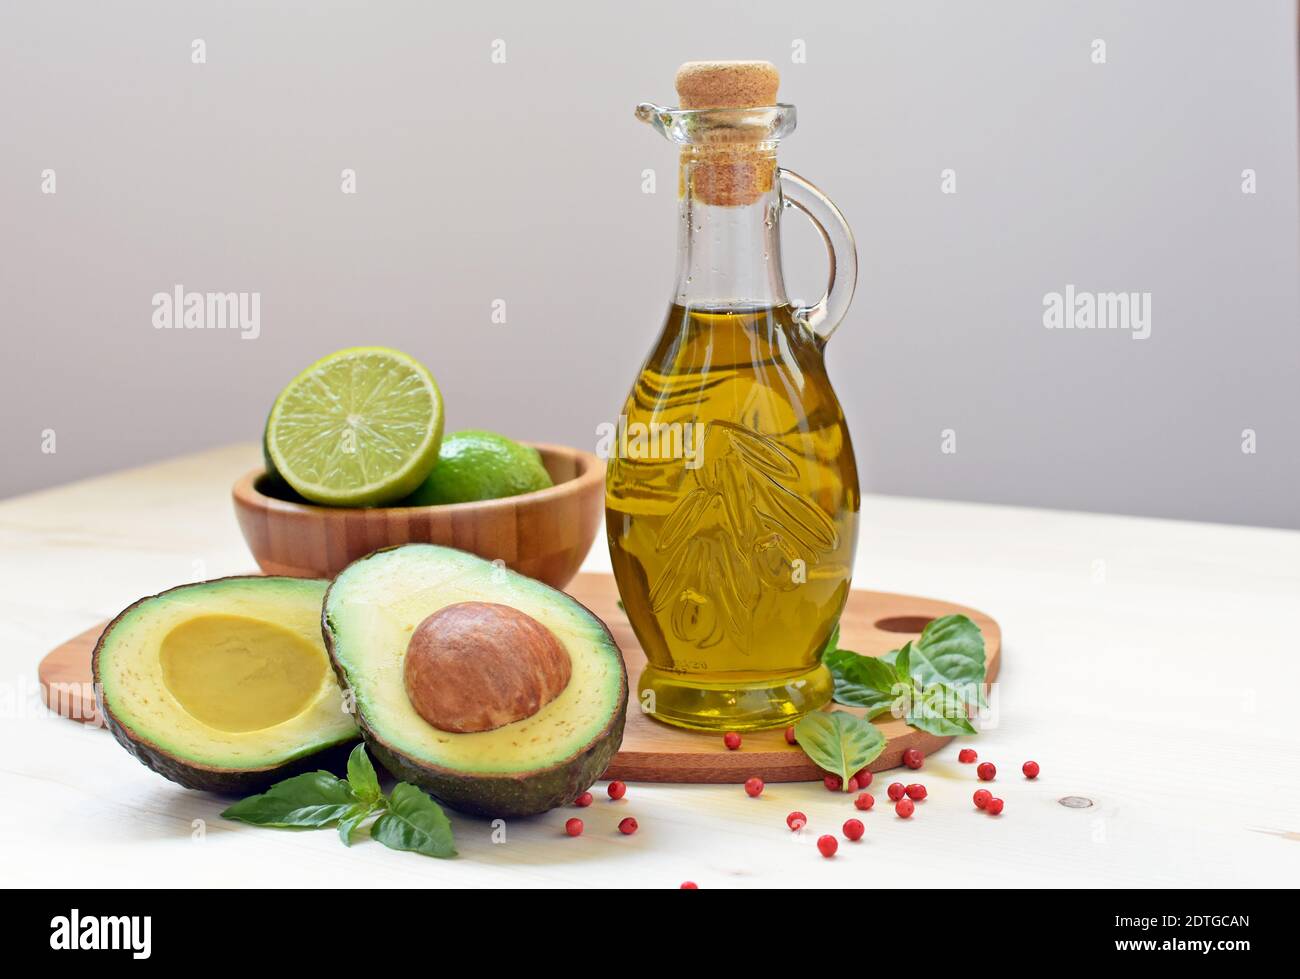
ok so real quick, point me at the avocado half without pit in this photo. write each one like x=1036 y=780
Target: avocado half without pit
x=223 y=685
x=491 y=691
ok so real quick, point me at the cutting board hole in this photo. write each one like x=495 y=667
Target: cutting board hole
x=904 y=623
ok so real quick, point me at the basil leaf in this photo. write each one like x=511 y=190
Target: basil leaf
x=951 y=652
x=940 y=710
x=413 y=821
x=309 y=800
x=942 y=726
x=862 y=681
x=840 y=743
x=362 y=777
x=903 y=663
x=349 y=823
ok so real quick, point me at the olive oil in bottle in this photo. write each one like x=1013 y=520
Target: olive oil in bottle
x=741 y=544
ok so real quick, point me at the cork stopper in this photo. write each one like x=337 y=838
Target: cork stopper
x=728 y=167
x=727 y=84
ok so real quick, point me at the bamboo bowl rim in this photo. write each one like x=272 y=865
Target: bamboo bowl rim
x=591 y=472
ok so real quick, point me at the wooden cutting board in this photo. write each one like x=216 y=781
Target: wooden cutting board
x=872 y=624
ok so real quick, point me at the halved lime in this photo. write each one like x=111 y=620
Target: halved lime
x=360 y=427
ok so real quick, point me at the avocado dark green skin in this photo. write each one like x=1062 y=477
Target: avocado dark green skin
x=506 y=796
x=193 y=775
x=224 y=780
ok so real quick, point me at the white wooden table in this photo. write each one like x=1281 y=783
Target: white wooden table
x=1150 y=666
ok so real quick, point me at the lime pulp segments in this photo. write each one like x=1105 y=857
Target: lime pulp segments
x=360 y=427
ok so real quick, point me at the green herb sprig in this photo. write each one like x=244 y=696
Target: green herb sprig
x=407 y=819
x=927 y=682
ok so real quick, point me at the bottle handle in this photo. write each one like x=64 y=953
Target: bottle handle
x=825 y=315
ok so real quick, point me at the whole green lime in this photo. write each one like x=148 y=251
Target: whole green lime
x=476 y=465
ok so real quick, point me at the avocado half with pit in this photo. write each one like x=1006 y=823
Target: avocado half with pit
x=491 y=691
x=223 y=685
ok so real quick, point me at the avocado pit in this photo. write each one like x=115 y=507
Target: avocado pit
x=476 y=666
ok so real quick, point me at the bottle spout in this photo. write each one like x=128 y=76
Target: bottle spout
x=761 y=124
x=656 y=116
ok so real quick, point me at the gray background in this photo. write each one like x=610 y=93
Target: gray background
x=522 y=181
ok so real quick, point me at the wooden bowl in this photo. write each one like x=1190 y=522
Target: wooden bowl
x=545 y=534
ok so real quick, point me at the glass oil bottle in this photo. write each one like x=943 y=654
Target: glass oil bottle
x=732 y=496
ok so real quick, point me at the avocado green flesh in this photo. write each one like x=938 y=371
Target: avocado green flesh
x=521 y=768
x=223 y=685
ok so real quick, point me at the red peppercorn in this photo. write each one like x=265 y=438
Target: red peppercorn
x=754 y=787
x=904 y=808
x=832 y=782
x=864 y=778
x=617 y=790
x=853 y=784
x=864 y=801
x=994 y=807
x=916 y=791
x=853 y=829
x=967 y=755
x=796 y=821
x=627 y=826
x=689 y=885
x=573 y=827
x=987 y=771
x=789 y=735
x=982 y=797
x=913 y=758
x=828 y=845
x=583 y=800
x=732 y=740
x=1030 y=768
x=896 y=790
